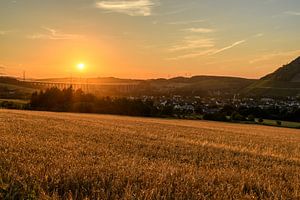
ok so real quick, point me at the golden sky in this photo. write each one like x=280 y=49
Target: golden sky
x=147 y=38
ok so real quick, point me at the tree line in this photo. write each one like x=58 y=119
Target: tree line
x=243 y=113
x=69 y=100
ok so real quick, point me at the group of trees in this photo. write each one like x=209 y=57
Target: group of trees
x=231 y=113
x=69 y=100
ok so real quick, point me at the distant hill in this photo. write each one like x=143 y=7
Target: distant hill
x=285 y=81
x=100 y=80
x=196 y=85
x=11 y=88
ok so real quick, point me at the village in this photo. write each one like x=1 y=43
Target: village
x=212 y=105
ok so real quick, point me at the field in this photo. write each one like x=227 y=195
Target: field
x=76 y=156
x=287 y=124
x=17 y=101
x=15 y=91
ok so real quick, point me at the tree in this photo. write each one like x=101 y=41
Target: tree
x=260 y=120
x=216 y=117
x=251 y=118
x=279 y=123
x=237 y=117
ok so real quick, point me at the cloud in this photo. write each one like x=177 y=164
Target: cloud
x=4 y=32
x=196 y=44
x=228 y=47
x=200 y=30
x=208 y=52
x=186 y=22
x=192 y=55
x=272 y=56
x=129 y=7
x=292 y=13
x=2 y=69
x=192 y=43
x=258 y=35
x=53 y=34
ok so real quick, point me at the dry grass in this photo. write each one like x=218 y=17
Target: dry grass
x=77 y=156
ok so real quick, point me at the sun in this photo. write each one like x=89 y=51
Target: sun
x=81 y=66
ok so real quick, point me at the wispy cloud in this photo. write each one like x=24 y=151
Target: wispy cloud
x=2 y=69
x=208 y=51
x=271 y=56
x=187 y=22
x=192 y=55
x=192 y=43
x=228 y=47
x=52 y=34
x=129 y=7
x=200 y=30
x=258 y=35
x=204 y=46
x=2 y=32
x=292 y=13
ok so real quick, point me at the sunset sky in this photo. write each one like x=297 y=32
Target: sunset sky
x=147 y=38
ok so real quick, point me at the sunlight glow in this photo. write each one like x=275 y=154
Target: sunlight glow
x=81 y=66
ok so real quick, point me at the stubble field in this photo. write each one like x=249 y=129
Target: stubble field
x=79 y=156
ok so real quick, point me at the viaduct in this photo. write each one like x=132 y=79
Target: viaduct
x=86 y=87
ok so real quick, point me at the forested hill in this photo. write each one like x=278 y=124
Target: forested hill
x=285 y=81
x=188 y=86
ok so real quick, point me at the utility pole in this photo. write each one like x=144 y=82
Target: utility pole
x=24 y=75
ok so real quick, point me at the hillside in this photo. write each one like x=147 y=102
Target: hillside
x=11 y=88
x=196 y=85
x=100 y=80
x=79 y=156
x=283 y=82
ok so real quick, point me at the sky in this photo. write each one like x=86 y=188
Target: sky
x=147 y=38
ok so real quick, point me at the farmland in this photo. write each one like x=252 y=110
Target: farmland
x=75 y=156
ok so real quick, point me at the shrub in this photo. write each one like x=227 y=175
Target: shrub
x=251 y=118
x=237 y=117
x=260 y=120
x=216 y=117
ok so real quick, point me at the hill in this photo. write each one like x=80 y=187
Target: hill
x=79 y=156
x=11 y=88
x=197 y=85
x=285 y=81
x=100 y=80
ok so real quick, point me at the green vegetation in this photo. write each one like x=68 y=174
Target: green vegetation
x=69 y=100
x=283 y=82
x=287 y=73
x=14 y=104
x=196 y=85
x=18 y=101
x=80 y=156
x=11 y=88
x=286 y=124
x=273 y=89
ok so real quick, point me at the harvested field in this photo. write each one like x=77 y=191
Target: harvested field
x=76 y=156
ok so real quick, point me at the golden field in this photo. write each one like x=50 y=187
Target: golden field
x=79 y=156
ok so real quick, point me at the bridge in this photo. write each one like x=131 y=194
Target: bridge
x=85 y=87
